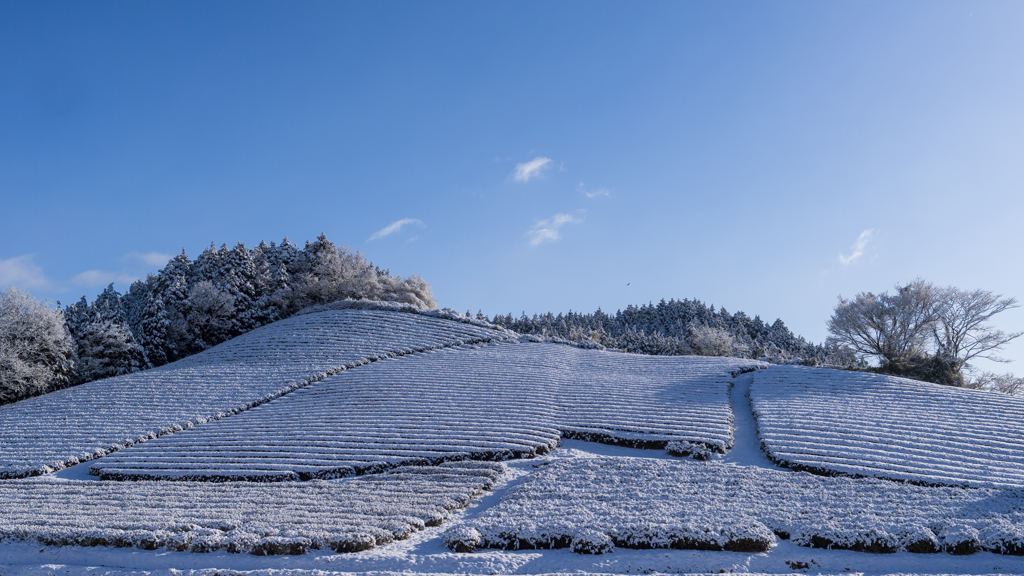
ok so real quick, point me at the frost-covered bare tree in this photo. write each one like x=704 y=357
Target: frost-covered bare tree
x=712 y=341
x=1005 y=383
x=36 y=350
x=923 y=331
x=890 y=327
x=962 y=333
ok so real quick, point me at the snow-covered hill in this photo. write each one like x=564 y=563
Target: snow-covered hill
x=372 y=425
x=62 y=428
x=501 y=401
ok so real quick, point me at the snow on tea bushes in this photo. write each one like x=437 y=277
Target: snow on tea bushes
x=49 y=432
x=495 y=402
x=283 y=518
x=862 y=424
x=644 y=401
x=595 y=504
x=418 y=409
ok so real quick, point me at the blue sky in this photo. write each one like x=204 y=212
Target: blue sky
x=765 y=157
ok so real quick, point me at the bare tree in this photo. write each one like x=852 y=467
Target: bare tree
x=712 y=341
x=961 y=332
x=891 y=327
x=1005 y=383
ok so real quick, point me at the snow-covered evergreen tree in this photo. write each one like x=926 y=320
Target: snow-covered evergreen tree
x=104 y=341
x=677 y=327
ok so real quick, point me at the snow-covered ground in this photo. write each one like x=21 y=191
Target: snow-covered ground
x=424 y=552
x=246 y=517
x=499 y=401
x=642 y=503
x=442 y=390
x=62 y=428
x=858 y=423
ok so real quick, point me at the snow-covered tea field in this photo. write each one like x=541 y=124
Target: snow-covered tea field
x=65 y=427
x=856 y=423
x=363 y=441
x=494 y=402
x=256 y=518
x=595 y=505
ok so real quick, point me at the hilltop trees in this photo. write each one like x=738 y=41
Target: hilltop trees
x=190 y=306
x=36 y=351
x=187 y=307
x=923 y=331
x=680 y=327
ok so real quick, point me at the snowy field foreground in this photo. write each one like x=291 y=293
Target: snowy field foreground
x=62 y=428
x=861 y=424
x=494 y=402
x=254 y=518
x=599 y=504
x=424 y=551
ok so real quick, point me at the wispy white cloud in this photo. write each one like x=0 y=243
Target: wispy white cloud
x=592 y=193
x=549 y=229
x=395 y=227
x=858 y=248
x=149 y=258
x=22 y=272
x=528 y=170
x=102 y=278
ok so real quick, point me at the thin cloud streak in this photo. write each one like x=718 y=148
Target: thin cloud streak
x=532 y=169
x=149 y=258
x=858 y=248
x=549 y=229
x=21 y=272
x=102 y=278
x=593 y=193
x=395 y=227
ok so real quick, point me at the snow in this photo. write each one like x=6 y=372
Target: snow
x=60 y=429
x=645 y=503
x=478 y=396
x=494 y=402
x=863 y=424
x=424 y=552
x=258 y=518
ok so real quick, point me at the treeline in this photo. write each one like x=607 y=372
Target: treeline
x=683 y=327
x=185 y=308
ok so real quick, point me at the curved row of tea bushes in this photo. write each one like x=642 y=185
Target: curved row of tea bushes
x=648 y=503
x=282 y=518
x=863 y=424
x=506 y=400
x=49 y=432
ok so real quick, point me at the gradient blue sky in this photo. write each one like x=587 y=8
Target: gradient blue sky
x=762 y=156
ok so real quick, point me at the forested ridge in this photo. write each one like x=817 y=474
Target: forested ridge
x=185 y=308
x=681 y=327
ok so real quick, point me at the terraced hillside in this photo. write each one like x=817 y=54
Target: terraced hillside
x=62 y=428
x=263 y=519
x=506 y=400
x=861 y=424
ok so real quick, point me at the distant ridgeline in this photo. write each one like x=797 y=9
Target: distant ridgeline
x=191 y=305
x=681 y=327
